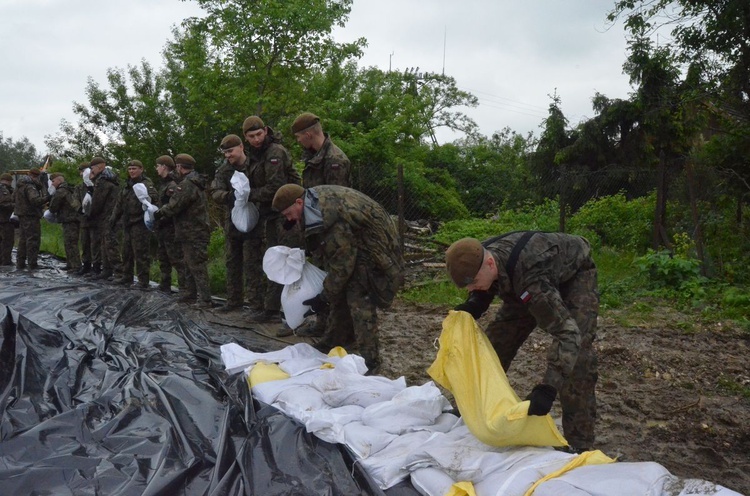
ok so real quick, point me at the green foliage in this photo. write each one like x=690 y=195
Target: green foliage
x=438 y=293
x=616 y=221
x=665 y=270
x=17 y=154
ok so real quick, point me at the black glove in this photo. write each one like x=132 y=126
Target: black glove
x=230 y=198
x=541 y=398
x=289 y=224
x=477 y=303
x=158 y=215
x=317 y=304
x=90 y=190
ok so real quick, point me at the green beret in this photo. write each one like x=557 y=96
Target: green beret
x=83 y=166
x=463 y=259
x=305 y=120
x=230 y=141
x=167 y=161
x=252 y=123
x=97 y=161
x=35 y=172
x=286 y=195
x=55 y=175
x=135 y=163
x=184 y=160
x=6 y=177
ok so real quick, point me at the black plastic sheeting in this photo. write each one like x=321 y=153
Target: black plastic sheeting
x=108 y=391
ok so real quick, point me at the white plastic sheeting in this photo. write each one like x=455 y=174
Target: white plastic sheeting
x=397 y=431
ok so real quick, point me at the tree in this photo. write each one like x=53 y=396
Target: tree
x=19 y=154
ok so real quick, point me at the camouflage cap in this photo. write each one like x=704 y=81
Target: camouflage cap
x=230 y=141
x=6 y=177
x=463 y=259
x=83 y=166
x=184 y=160
x=97 y=161
x=286 y=195
x=303 y=121
x=252 y=123
x=35 y=172
x=135 y=163
x=166 y=160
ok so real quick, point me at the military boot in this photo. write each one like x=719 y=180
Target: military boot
x=85 y=269
x=103 y=275
x=96 y=269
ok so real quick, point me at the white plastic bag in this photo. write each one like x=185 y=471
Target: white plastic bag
x=86 y=202
x=283 y=265
x=50 y=217
x=244 y=213
x=141 y=192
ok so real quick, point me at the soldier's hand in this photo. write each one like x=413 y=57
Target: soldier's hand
x=158 y=215
x=541 y=398
x=477 y=303
x=90 y=190
x=317 y=304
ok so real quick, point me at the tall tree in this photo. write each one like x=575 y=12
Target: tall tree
x=17 y=154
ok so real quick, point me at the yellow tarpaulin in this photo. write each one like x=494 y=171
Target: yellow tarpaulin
x=468 y=367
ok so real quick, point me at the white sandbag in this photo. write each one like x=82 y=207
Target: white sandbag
x=50 y=217
x=244 y=214
x=141 y=192
x=87 y=177
x=412 y=407
x=236 y=358
x=341 y=388
x=386 y=467
x=364 y=440
x=306 y=287
x=328 y=423
x=283 y=265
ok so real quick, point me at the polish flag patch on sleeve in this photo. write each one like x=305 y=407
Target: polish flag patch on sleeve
x=525 y=297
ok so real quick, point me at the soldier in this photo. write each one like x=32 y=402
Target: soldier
x=545 y=280
x=189 y=209
x=168 y=252
x=84 y=224
x=30 y=199
x=237 y=245
x=359 y=247
x=269 y=168
x=7 y=229
x=105 y=256
x=136 y=236
x=65 y=205
x=325 y=163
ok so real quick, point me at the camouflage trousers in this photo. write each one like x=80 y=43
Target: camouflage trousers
x=238 y=252
x=353 y=316
x=136 y=241
x=195 y=259
x=70 y=242
x=263 y=293
x=105 y=246
x=85 y=236
x=169 y=254
x=7 y=240
x=513 y=325
x=29 y=239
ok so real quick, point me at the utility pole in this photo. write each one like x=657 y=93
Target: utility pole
x=390 y=58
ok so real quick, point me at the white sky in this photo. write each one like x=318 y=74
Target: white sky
x=511 y=54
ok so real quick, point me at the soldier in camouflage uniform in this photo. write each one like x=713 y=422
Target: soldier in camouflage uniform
x=545 y=280
x=65 y=205
x=269 y=168
x=325 y=163
x=7 y=229
x=84 y=224
x=105 y=255
x=358 y=243
x=189 y=208
x=30 y=199
x=136 y=240
x=169 y=251
x=238 y=246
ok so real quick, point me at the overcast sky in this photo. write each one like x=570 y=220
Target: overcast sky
x=510 y=54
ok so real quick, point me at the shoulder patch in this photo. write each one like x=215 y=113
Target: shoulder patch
x=525 y=297
x=274 y=161
x=335 y=166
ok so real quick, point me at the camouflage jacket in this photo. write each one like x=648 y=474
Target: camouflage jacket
x=221 y=190
x=165 y=189
x=189 y=209
x=269 y=168
x=7 y=203
x=30 y=198
x=128 y=207
x=64 y=204
x=547 y=261
x=329 y=165
x=104 y=197
x=349 y=230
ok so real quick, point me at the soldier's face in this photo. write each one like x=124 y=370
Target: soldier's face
x=256 y=138
x=96 y=169
x=134 y=172
x=304 y=138
x=485 y=277
x=294 y=212
x=235 y=155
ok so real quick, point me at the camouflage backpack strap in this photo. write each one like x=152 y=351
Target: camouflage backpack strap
x=510 y=265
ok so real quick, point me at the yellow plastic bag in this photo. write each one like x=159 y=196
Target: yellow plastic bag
x=265 y=372
x=468 y=367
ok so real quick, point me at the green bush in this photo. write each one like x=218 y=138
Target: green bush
x=665 y=270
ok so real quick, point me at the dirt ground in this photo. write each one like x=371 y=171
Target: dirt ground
x=658 y=393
